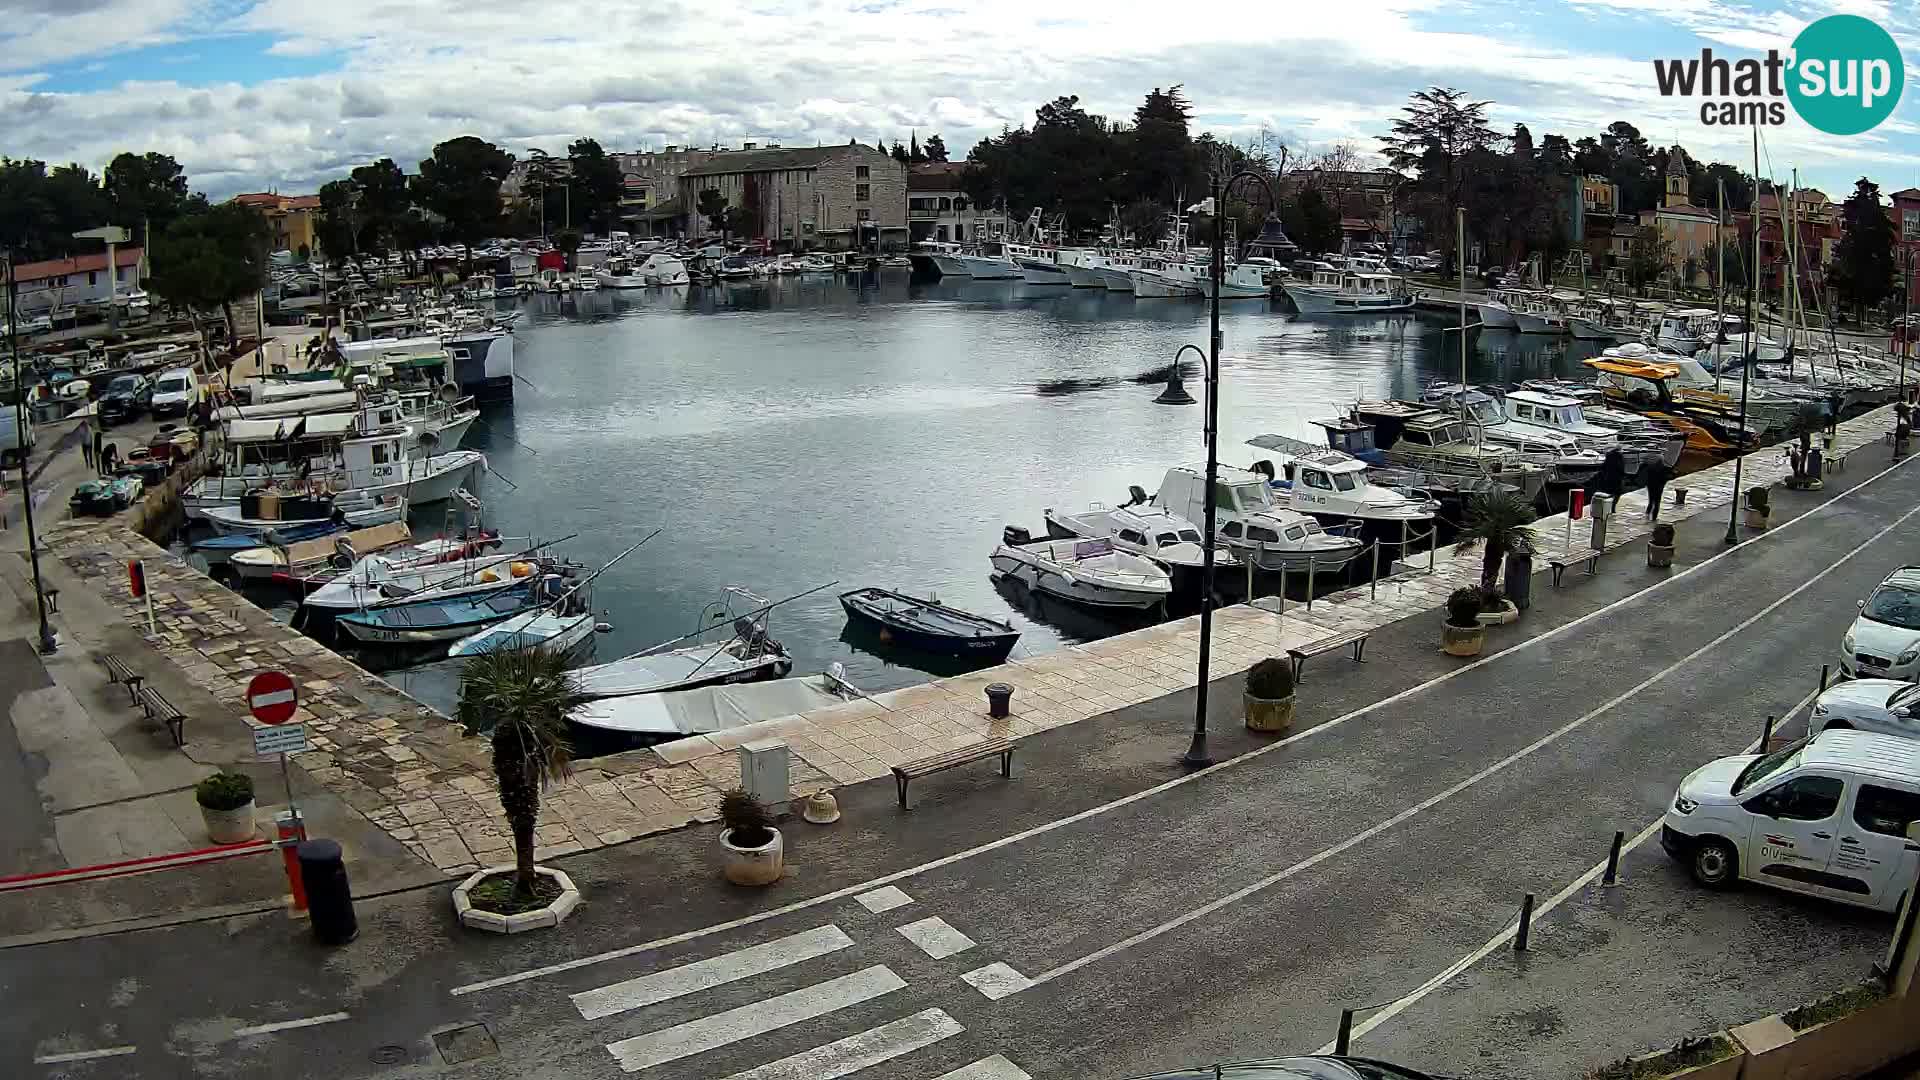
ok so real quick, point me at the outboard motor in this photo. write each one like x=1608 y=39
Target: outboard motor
x=1137 y=495
x=1015 y=536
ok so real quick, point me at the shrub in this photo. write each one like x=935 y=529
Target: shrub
x=1685 y=1054
x=1663 y=534
x=224 y=791
x=747 y=817
x=1271 y=679
x=1464 y=607
x=1833 y=1006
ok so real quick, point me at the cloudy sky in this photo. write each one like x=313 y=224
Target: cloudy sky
x=285 y=94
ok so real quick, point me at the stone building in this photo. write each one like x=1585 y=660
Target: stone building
x=290 y=218
x=1690 y=231
x=819 y=197
x=939 y=209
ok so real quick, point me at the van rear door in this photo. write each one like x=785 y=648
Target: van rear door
x=1872 y=851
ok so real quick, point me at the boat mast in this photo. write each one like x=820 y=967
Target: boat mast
x=1720 y=285
x=1460 y=245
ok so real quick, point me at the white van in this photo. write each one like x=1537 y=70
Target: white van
x=1828 y=816
x=175 y=392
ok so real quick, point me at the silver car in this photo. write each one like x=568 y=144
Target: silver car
x=1888 y=706
x=1884 y=642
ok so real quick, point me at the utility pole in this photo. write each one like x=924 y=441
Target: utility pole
x=1746 y=367
x=47 y=643
x=1720 y=285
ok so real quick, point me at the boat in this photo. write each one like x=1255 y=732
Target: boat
x=928 y=625
x=1430 y=453
x=1161 y=281
x=675 y=714
x=620 y=274
x=437 y=567
x=103 y=497
x=940 y=258
x=662 y=270
x=1540 y=315
x=990 y=262
x=440 y=619
x=216 y=550
x=1334 y=486
x=1561 y=452
x=1242 y=282
x=1350 y=292
x=1251 y=523
x=750 y=655
x=291 y=560
x=547 y=630
x=1144 y=529
x=261 y=512
x=1082 y=267
x=1089 y=572
x=1496 y=312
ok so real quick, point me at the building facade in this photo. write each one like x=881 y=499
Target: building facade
x=1690 y=231
x=836 y=197
x=60 y=284
x=1817 y=225
x=939 y=210
x=1906 y=230
x=290 y=218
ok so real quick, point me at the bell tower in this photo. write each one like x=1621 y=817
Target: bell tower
x=1679 y=180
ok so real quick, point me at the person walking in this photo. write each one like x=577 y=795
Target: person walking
x=1656 y=472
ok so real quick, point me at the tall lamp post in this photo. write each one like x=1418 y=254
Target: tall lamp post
x=1197 y=755
x=47 y=642
x=1748 y=353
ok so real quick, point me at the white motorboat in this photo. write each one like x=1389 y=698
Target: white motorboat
x=1086 y=572
x=1116 y=271
x=1038 y=265
x=943 y=258
x=1540 y=316
x=545 y=630
x=433 y=567
x=990 y=262
x=1152 y=531
x=620 y=274
x=1082 y=267
x=1350 y=292
x=679 y=713
x=1495 y=314
x=664 y=271
x=1250 y=522
x=1333 y=485
x=1163 y=282
x=268 y=511
x=306 y=556
x=1242 y=282
x=1571 y=461
x=750 y=655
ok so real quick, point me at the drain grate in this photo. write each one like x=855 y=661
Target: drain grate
x=468 y=1042
x=388 y=1055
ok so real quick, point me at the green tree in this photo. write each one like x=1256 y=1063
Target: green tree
x=1739 y=188
x=25 y=216
x=520 y=699
x=1159 y=150
x=211 y=259
x=1497 y=522
x=936 y=149
x=566 y=242
x=385 y=201
x=1436 y=131
x=598 y=184
x=1649 y=257
x=1311 y=222
x=900 y=153
x=147 y=191
x=915 y=155
x=713 y=206
x=1145 y=221
x=461 y=184
x=545 y=186
x=337 y=227
x=1863 y=270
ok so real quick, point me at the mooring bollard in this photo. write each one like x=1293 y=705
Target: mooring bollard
x=1310 y=567
x=999 y=700
x=1344 y=1040
x=1373 y=583
x=1612 y=876
x=1526 y=924
x=1766 y=734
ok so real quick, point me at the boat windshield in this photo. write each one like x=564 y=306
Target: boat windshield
x=1165 y=538
x=1895 y=607
x=1240 y=496
x=1345 y=481
x=1570 y=416
x=1190 y=536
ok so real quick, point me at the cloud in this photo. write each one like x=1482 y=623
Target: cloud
x=362 y=100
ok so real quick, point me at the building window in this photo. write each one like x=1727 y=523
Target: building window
x=1910 y=225
x=862 y=192
x=863 y=214
x=808 y=227
x=861 y=172
x=93 y=277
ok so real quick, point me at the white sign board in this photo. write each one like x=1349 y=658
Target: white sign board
x=279 y=739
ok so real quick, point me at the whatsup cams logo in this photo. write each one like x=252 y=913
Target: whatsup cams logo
x=1843 y=76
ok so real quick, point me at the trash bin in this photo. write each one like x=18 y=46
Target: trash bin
x=329 y=898
x=1602 y=510
x=1519 y=579
x=999 y=700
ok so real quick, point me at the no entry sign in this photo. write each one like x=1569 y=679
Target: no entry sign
x=272 y=698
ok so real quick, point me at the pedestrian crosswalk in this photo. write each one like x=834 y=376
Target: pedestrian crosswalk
x=794 y=984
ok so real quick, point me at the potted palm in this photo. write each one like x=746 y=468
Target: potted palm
x=519 y=699
x=226 y=806
x=1497 y=521
x=1462 y=634
x=1269 y=695
x=755 y=851
x=1758 y=508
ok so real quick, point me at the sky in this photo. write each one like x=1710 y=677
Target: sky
x=284 y=95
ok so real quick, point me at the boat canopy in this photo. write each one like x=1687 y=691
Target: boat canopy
x=272 y=430
x=709 y=708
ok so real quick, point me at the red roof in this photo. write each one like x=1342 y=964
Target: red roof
x=267 y=200
x=258 y=198
x=304 y=202
x=79 y=264
x=1907 y=193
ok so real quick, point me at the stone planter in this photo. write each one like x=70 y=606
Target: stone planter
x=1659 y=555
x=553 y=914
x=761 y=865
x=1755 y=519
x=1273 y=715
x=229 y=826
x=1507 y=614
x=1462 y=640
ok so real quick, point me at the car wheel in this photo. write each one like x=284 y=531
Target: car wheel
x=1715 y=864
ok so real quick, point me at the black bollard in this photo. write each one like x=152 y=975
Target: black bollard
x=999 y=698
x=1612 y=876
x=1343 y=1040
x=1525 y=929
x=329 y=898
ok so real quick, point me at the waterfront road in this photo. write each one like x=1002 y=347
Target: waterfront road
x=1228 y=914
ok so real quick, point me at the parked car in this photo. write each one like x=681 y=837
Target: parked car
x=1889 y=706
x=126 y=397
x=1317 y=1067
x=1884 y=641
x=1828 y=816
x=16 y=432
x=175 y=392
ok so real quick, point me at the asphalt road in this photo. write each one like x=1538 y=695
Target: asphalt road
x=1224 y=916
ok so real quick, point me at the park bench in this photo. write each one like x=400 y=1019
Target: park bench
x=1355 y=638
x=907 y=771
x=1560 y=562
x=120 y=674
x=160 y=709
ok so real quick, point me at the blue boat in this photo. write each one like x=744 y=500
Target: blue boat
x=218 y=549
x=929 y=625
x=430 y=621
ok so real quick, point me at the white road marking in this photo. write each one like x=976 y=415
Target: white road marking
x=936 y=937
x=1494 y=769
x=758 y=1018
x=289 y=1025
x=84 y=1055
x=1460 y=966
x=996 y=981
x=884 y=899
x=1148 y=793
x=987 y=1068
x=705 y=974
x=856 y=1052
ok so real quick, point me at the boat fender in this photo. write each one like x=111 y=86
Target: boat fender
x=603 y=628
x=1014 y=536
x=489 y=577
x=519 y=569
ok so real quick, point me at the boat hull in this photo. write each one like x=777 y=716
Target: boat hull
x=1085 y=277
x=1035 y=272
x=1148 y=285
x=990 y=646
x=1496 y=317
x=1072 y=589
x=1115 y=279
x=1586 y=330
x=1320 y=302
x=1530 y=323
x=985 y=269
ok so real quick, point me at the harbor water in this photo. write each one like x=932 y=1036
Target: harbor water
x=788 y=432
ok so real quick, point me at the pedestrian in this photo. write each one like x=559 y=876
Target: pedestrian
x=96 y=436
x=87 y=443
x=1656 y=472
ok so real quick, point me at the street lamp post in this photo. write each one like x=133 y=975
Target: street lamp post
x=47 y=642
x=1197 y=755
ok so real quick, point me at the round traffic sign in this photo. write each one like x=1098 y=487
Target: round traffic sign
x=272 y=697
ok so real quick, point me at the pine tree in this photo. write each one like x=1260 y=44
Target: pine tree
x=1863 y=266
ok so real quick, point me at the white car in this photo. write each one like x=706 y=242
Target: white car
x=1888 y=706
x=175 y=391
x=1884 y=641
x=1829 y=816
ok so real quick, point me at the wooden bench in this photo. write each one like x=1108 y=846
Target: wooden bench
x=1356 y=638
x=160 y=709
x=1563 y=560
x=120 y=674
x=906 y=771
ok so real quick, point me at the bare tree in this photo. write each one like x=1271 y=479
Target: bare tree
x=1337 y=173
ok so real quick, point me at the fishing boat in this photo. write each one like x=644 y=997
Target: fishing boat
x=675 y=714
x=928 y=625
x=546 y=630
x=1144 y=529
x=1350 y=292
x=750 y=655
x=1251 y=523
x=1242 y=281
x=1089 y=572
x=263 y=512
x=443 y=619
x=1561 y=452
x=279 y=561
x=216 y=550
x=1335 y=487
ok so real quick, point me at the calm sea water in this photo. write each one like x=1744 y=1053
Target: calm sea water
x=797 y=431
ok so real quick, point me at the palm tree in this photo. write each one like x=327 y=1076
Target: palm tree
x=1497 y=519
x=521 y=698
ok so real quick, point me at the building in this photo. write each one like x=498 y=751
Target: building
x=1590 y=211
x=1690 y=231
x=1906 y=227
x=850 y=196
x=1364 y=198
x=60 y=284
x=290 y=218
x=1817 y=225
x=937 y=208
x=653 y=177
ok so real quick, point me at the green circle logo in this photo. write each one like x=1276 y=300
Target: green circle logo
x=1846 y=74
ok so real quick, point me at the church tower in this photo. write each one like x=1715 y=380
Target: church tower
x=1678 y=179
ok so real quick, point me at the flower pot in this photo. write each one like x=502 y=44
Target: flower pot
x=1507 y=613
x=1269 y=714
x=761 y=865
x=1659 y=555
x=229 y=826
x=1462 y=640
x=1755 y=519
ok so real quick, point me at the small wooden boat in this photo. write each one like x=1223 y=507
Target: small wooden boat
x=544 y=629
x=218 y=549
x=428 y=622
x=929 y=625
